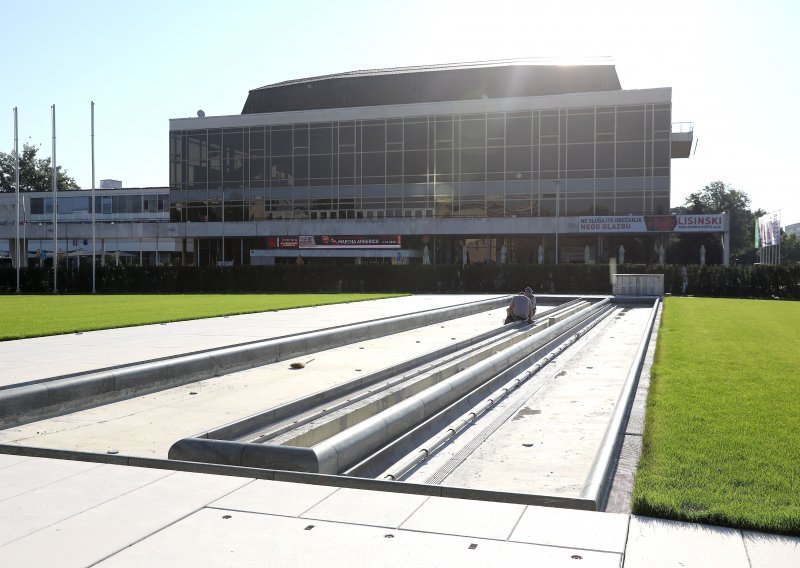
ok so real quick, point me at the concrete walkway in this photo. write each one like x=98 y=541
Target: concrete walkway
x=82 y=513
x=27 y=360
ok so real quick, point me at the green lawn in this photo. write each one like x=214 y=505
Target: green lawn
x=722 y=434
x=33 y=316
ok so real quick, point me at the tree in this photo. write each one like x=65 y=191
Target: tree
x=790 y=248
x=719 y=197
x=35 y=174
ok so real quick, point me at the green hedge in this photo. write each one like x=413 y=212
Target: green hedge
x=736 y=281
x=724 y=281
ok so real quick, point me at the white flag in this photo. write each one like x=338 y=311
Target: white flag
x=775 y=226
x=765 y=231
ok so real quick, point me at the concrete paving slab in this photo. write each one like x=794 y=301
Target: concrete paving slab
x=275 y=498
x=161 y=522
x=771 y=551
x=587 y=530
x=462 y=517
x=657 y=543
x=29 y=512
x=28 y=475
x=249 y=540
x=363 y=507
x=99 y=531
x=7 y=460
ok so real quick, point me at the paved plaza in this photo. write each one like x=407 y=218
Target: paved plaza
x=122 y=503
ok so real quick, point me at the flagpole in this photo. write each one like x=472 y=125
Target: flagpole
x=755 y=239
x=16 y=177
x=94 y=235
x=55 y=207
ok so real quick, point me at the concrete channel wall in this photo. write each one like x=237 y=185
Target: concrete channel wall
x=332 y=423
x=598 y=482
x=347 y=447
x=21 y=404
x=243 y=427
x=344 y=448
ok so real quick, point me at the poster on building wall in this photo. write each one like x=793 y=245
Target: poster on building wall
x=282 y=242
x=349 y=242
x=612 y=224
x=334 y=242
x=650 y=223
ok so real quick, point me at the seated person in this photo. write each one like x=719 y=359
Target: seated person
x=522 y=307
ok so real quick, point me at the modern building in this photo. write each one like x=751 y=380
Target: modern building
x=131 y=227
x=485 y=162
x=505 y=161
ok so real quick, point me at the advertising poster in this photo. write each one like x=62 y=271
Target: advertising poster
x=334 y=242
x=651 y=224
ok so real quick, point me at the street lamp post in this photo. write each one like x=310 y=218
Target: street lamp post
x=94 y=234
x=55 y=207
x=16 y=178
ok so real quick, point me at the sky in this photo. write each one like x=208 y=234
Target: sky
x=732 y=66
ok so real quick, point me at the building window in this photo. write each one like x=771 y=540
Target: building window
x=605 y=159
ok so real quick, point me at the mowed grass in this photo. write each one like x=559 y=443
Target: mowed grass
x=722 y=434
x=33 y=316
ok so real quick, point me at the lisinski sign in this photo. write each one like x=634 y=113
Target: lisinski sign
x=651 y=224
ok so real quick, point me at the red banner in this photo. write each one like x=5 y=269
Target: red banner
x=334 y=242
x=282 y=242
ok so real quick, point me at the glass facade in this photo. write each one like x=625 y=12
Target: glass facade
x=565 y=162
x=126 y=206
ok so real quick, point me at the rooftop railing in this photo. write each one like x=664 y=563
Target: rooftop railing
x=682 y=127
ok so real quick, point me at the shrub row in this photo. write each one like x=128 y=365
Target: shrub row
x=735 y=281
x=714 y=280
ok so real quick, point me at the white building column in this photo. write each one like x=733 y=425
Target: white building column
x=726 y=239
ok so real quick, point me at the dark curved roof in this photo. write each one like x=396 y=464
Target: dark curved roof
x=432 y=83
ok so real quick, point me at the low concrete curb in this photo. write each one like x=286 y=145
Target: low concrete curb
x=598 y=482
x=309 y=478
